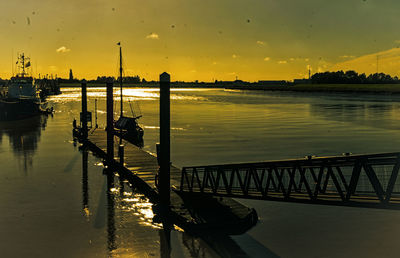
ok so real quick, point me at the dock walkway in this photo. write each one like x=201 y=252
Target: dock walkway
x=191 y=212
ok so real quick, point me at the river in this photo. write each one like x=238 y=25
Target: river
x=50 y=207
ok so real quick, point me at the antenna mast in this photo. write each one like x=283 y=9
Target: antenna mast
x=120 y=75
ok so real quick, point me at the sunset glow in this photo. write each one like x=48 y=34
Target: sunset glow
x=201 y=40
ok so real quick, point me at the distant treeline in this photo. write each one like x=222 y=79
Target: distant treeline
x=352 y=77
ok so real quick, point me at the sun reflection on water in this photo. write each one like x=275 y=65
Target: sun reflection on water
x=130 y=94
x=139 y=205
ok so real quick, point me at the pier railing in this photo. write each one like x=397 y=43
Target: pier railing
x=353 y=180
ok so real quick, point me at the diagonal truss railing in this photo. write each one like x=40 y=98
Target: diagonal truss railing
x=353 y=180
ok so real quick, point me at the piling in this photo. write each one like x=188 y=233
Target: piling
x=110 y=120
x=84 y=111
x=95 y=112
x=164 y=174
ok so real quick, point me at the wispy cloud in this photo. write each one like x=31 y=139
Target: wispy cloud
x=152 y=36
x=261 y=43
x=389 y=62
x=53 y=68
x=267 y=58
x=346 y=56
x=62 y=49
x=306 y=59
x=234 y=56
x=292 y=59
x=282 y=62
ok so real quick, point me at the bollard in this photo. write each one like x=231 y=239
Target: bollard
x=110 y=121
x=164 y=175
x=84 y=111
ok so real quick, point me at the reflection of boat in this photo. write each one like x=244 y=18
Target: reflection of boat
x=24 y=136
x=21 y=101
x=125 y=127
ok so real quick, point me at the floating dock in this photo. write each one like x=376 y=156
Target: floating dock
x=194 y=213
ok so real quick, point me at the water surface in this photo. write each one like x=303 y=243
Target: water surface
x=52 y=204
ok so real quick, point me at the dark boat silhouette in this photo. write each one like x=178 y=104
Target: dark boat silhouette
x=21 y=99
x=126 y=127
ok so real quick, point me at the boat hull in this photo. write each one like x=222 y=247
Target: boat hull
x=15 y=109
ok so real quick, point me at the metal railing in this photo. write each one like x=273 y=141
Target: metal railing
x=366 y=180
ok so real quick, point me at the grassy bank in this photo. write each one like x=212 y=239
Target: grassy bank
x=350 y=88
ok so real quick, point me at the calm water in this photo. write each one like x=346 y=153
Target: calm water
x=51 y=205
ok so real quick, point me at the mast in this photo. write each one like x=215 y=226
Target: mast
x=120 y=75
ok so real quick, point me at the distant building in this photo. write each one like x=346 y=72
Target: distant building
x=278 y=83
x=301 y=81
x=71 y=77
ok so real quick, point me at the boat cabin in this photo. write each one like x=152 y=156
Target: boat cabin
x=126 y=123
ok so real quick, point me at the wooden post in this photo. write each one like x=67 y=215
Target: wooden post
x=84 y=111
x=110 y=120
x=164 y=175
x=95 y=112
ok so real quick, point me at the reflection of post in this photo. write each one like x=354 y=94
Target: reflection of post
x=110 y=120
x=164 y=175
x=84 y=111
x=85 y=185
x=165 y=241
x=110 y=212
x=121 y=161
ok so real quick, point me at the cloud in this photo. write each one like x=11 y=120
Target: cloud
x=306 y=59
x=388 y=61
x=397 y=41
x=53 y=68
x=261 y=43
x=234 y=56
x=193 y=71
x=267 y=58
x=292 y=59
x=214 y=63
x=346 y=56
x=62 y=49
x=152 y=36
x=282 y=62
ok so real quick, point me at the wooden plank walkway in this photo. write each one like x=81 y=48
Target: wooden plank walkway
x=141 y=163
x=194 y=213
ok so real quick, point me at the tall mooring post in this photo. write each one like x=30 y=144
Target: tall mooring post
x=164 y=175
x=110 y=120
x=84 y=121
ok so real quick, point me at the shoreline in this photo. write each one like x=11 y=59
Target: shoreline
x=312 y=88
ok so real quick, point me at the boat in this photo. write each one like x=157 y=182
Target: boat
x=126 y=127
x=20 y=100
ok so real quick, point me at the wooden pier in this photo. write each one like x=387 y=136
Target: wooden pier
x=156 y=177
x=195 y=213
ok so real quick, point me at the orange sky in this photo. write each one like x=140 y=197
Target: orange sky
x=201 y=40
